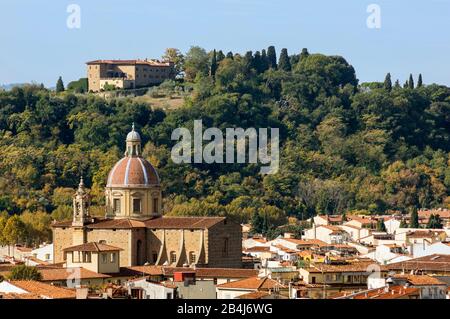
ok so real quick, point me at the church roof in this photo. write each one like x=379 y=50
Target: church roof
x=183 y=222
x=157 y=223
x=92 y=247
x=131 y=172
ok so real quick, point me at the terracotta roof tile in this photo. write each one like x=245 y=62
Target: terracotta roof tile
x=92 y=247
x=183 y=222
x=59 y=274
x=45 y=290
x=255 y=283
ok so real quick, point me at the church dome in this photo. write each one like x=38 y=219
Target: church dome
x=132 y=172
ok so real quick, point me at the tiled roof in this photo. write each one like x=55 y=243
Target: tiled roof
x=443 y=213
x=306 y=242
x=130 y=62
x=183 y=222
x=360 y=266
x=258 y=249
x=92 y=247
x=395 y=292
x=420 y=280
x=435 y=262
x=132 y=171
x=253 y=283
x=254 y=295
x=59 y=274
x=424 y=233
x=45 y=290
x=154 y=270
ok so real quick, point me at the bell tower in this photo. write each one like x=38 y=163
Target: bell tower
x=81 y=203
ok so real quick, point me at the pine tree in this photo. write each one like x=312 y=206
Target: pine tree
x=213 y=64
x=419 y=81
x=284 y=63
x=230 y=55
x=411 y=82
x=388 y=82
x=414 y=218
x=220 y=56
x=60 y=85
x=272 y=57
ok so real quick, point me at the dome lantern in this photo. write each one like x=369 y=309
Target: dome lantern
x=133 y=143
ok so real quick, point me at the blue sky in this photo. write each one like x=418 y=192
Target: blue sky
x=36 y=44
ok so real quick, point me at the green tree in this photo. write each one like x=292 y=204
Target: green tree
x=230 y=55
x=397 y=84
x=220 y=56
x=435 y=222
x=272 y=57
x=403 y=223
x=419 y=81
x=264 y=61
x=388 y=82
x=304 y=54
x=284 y=62
x=380 y=225
x=414 y=218
x=411 y=82
x=23 y=272
x=174 y=55
x=14 y=231
x=196 y=63
x=60 y=85
x=257 y=223
x=213 y=67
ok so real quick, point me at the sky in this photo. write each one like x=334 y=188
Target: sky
x=37 y=44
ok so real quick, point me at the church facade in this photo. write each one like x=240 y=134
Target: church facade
x=133 y=222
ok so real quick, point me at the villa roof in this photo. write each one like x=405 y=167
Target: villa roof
x=435 y=262
x=92 y=247
x=130 y=62
x=59 y=274
x=421 y=280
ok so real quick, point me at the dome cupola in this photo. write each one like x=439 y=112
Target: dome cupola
x=133 y=185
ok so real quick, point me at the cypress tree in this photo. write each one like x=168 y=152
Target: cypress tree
x=257 y=223
x=397 y=84
x=419 y=81
x=257 y=62
x=60 y=85
x=272 y=57
x=264 y=61
x=411 y=82
x=230 y=55
x=213 y=64
x=284 y=63
x=304 y=54
x=248 y=58
x=403 y=224
x=406 y=85
x=414 y=218
x=388 y=82
x=380 y=225
x=220 y=56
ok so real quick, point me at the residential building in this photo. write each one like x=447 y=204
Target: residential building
x=238 y=288
x=127 y=74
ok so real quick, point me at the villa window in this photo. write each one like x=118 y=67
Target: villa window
x=173 y=257
x=155 y=256
x=137 y=205
x=116 y=205
x=104 y=258
x=113 y=258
